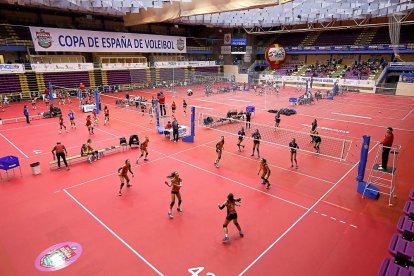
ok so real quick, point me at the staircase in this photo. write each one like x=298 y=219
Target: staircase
x=24 y=86
x=32 y=81
x=310 y=39
x=366 y=36
x=92 y=78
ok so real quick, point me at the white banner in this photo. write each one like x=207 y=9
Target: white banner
x=11 y=68
x=348 y=82
x=226 y=50
x=249 y=49
x=172 y=64
x=227 y=39
x=121 y=66
x=61 y=67
x=68 y=40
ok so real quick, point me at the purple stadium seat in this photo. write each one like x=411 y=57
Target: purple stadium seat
x=401 y=247
x=389 y=268
x=409 y=208
x=412 y=193
x=406 y=226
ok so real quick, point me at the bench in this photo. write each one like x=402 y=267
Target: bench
x=82 y=158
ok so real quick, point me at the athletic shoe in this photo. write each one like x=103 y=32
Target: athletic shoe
x=60 y=132
x=179 y=209
x=225 y=239
x=297 y=167
x=129 y=185
x=268 y=186
x=145 y=159
x=67 y=168
x=170 y=215
x=241 y=234
x=252 y=154
x=291 y=166
x=120 y=194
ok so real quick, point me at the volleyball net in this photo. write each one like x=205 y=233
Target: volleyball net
x=330 y=146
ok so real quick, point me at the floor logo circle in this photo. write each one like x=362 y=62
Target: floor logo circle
x=58 y=256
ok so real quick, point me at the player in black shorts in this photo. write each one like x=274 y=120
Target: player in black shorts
x=106 y=112
x=248 y=119
x=317 y=139
x=293 y=150
x=277 y=120
x=241 y=134
x=314 y=126
x=231 y=204
x=219 y=150
x=256 y=142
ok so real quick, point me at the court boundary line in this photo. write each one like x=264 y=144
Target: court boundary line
x=408 y=114
x=112 y=232
x=11 y=143
x=278 y=167
x=352 y=122
x=301 y=217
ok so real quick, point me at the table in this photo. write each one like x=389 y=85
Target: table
x=182 y=131
x=9 y=163
x=88 y=107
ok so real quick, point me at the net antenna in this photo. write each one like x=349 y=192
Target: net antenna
x=394 y=29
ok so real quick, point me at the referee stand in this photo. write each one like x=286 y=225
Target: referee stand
x=383 y=177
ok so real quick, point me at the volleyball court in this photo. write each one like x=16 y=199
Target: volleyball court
x=311 y=221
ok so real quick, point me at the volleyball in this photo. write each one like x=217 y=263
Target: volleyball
x=189 y=92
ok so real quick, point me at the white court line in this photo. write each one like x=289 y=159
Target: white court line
x=135 y=166
x=10 y=142
x=278 y=167
x=202 y=107
x=351 y=115
x=237 y=182
x=244 y=101
x=408 y=114
x=301 y=217
x=112 y=232
x=353 y=122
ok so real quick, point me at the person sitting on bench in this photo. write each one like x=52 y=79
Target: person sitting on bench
x=87 y=149
x=167 y=127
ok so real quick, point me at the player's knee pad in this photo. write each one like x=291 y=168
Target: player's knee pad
x=224 y=226
x=172 y=204
x=237 y=224
x=122 y=185
x=179 y=202
x=218 y=158
x=263 y=178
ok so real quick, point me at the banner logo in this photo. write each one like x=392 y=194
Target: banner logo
x=180 y=44
x=44 y=39
x=275 y=55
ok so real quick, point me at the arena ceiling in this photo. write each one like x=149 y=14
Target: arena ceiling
x=249 y=14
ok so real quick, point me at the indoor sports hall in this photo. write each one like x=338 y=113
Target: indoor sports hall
x=206 y=137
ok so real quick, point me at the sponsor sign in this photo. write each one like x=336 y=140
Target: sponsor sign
x=58 y=256
x=226 y=50
x=68 y=40
x=121 y=66
x=11 y=68
x=238 y=41
x=275 y=55
x=172 y=64
x=61 y=67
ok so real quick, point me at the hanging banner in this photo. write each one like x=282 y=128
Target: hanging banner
x=226 y=50
x=227 y=39
x=61 y=67
x=171 y=64
x=68 y=40
x=11 y=68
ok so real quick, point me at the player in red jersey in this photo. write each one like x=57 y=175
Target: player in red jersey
x=176 y=184
x=143 y=147
x=264 y=168
x=219 y=151
x=123 y=175
x=231 y=204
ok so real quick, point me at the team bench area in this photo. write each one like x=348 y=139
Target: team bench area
x=82 y=158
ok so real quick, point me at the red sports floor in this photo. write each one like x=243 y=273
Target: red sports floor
x=312 y=221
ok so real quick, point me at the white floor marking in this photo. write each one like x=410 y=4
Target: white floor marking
x=112 y=232
x=301 y=217
x=352 y=115
x=11 y=143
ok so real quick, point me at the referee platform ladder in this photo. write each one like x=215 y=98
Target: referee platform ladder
x=383 y=178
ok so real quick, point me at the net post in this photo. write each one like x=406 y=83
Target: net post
x=343 y=150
